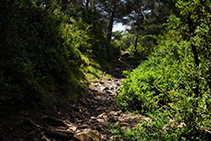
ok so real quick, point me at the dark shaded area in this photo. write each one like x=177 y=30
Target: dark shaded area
x=29 y=123
x=36 y=61
x=125 y=62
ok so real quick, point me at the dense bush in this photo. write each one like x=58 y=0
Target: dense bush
x=45 y=51
x=166 y=83
x=175 y=81
x=38 y=59
x=148 y=84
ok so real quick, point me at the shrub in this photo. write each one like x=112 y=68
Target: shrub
x=38 y=60
x=160 y=128
x=166 y=82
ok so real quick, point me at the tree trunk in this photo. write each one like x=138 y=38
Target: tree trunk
x=110 y=21
x=136 y=39
x=110 y=26
x=192 y=29
x=87 y=4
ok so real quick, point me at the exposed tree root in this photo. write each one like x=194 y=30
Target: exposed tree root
x=60 y=122
x=49 y=132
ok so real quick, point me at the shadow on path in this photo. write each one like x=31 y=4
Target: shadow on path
x=90 y=118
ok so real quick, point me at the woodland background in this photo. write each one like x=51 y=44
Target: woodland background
x=50 y=49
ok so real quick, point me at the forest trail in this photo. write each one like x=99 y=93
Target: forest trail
x=90 y=118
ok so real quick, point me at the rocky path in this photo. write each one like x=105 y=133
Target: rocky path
x=88 y=119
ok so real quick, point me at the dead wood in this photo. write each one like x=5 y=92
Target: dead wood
x=51 y=133
x=44 y=138
x=56 y=120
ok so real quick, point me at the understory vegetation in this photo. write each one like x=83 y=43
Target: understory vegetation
x=172 y=86
x=162 y=88
x=47 y=53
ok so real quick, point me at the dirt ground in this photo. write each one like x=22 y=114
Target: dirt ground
x=90 y=118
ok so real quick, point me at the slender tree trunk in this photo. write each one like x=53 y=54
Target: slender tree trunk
x=192 y=29
x=110 y=26
x=136 y=39
x=110 y=21
x=196 y=60
x=87 y=4
x=137 y=29
x=87 y=7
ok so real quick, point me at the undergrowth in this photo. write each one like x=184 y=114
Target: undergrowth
x=163 y=88
x=46 y=53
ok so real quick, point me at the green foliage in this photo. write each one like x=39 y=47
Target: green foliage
x=38 y=59
x=97 y=39
x=146 y=45
x=166 y=82
x=44 y=50
x=132 y=50
x=160 y=128
x=97 y=43
x=175 y=80
x=142 y=88
x=117 y=35
x=126 y=41
x=145 y=26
